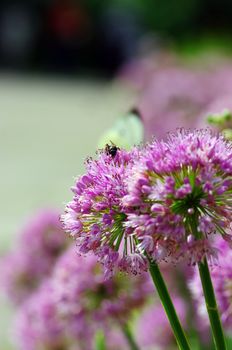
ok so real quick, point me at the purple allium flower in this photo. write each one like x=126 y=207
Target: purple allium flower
x=181 y=193
x=68 y=311
x=82 y=291
x=153 y=328
x=39 y=245
x=95 y=216
x=37 y=324
x=182 y=95
x=222 y=280
x=173 y=97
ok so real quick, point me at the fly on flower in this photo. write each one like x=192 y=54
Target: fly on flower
x=162 y=201
x=111 y=150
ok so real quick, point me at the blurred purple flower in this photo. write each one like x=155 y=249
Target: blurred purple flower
x=153 y=327
x=174 y=95
x=81 y=289
x=173 y=98
x=39 y=245
x=68 y=311
x=37 y=325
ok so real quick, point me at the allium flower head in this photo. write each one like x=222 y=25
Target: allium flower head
x=173 y=97
x=67 y=311
x=181 y=192
x=95 y=216
x=82 y=292
x=222 y=280
x=37 y=325
x=39 y=245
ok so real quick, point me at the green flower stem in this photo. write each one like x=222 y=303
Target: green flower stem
x=210 y=300
x=168 y=306
x=211 y=306
x=129 y=337
x=100 y=343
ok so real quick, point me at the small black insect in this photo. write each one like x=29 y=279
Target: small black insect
x=111 y=150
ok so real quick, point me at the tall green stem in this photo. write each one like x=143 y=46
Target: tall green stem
x=210 y=300
x=211 y=306
x=168 y=306
x=100 y=343
x=129 y=337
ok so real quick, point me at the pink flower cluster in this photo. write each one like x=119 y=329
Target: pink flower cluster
x=69 y=309
x=63 y=299
x=153 y=328
x=81 y=278
x=182 y=188
x=41 y=242
x=174 y=95
x=162 y=202
x=37 y=325
x=95 y=216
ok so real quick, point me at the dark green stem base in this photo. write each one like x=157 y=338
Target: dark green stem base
x=168 y=306
x=129 y=337
x=211 y=306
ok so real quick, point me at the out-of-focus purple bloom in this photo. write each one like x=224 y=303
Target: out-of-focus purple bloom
x=220 y=83
x=222 y=280
x=77 y=278
x=181 y=194
x=39 y=245
x=174 y=97
x=95 y=216
x=171 y=94
x=68 y=311
x=153 y=328
x=138 y=72
x=38 y=325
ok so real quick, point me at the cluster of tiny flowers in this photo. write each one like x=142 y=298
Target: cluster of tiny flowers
x=95 y=216
x=81 y=278
x=176 y=95
x=37 y=325
x=162 y=204
x=69 y=310
x=41 y=242
x=182 y=190
x=40 y=325
x=222 y=281
x=183 y=96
